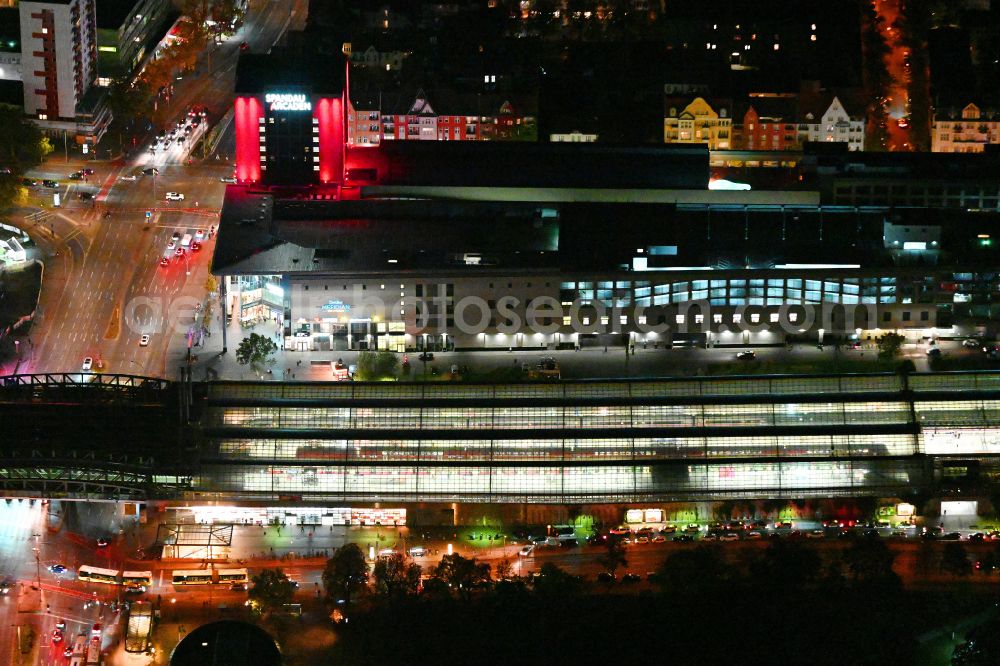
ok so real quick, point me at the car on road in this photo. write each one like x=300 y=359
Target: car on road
x=88 y=363
x=29 y=182
x=526 y=551
x=68 y=651
x=57 y=635
x=933 y=352
x=230 y=180
x=174 y=196
x=951 y=536
x=172 y=244
x=199 y=234
x=164 y=261
x=631 y=578
x=86 y=196
x=747 y=355
x=605 y=577
x=426 y=356
x=150 y=171
x=195 y=246
x=167 y=142
x=57 y=568
x=87 y=172
x=144 y=338
x=102 y=543
x=970 y=342
x=683 y=538
x=238 y=587
x=244 y=46
x=977 y=536
x=815 y=534
x=6 y=585
x=729 y=536
x=76 y=175
x=50 y=183
x=131 y=178
x=417 y=551
x=179 y=252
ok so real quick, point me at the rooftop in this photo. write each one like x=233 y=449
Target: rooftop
x=258 y=235
x=258 y=73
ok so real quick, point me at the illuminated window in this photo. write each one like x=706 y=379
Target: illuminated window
x=698 y=319
x=754 y=318
x=737 y=318
x=679 y=319
x=567 y=321
x=793 y=317
x=641 y=320
x=774 y=317
x=717 y=318
x=623 y=319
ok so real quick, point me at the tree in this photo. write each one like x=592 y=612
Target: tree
x=271 y=590
x=395 y=576
x=890 y=344
x=504 y=568
x=954 y=560
x=790 y=562
x=462 y=573
x=870 y=561
x=378 y=366
x=22 y=144
x=695 y=572
x=613 y=556
x=345 y=573
x=256 y=351
x=552 y=581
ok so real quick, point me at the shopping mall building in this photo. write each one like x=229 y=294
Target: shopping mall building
x=501 y=245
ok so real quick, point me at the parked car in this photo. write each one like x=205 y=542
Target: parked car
x=88 y=363
x=970 y=342
x=230 y=180
x=684 y=537
x=131 y=178
x=668 y=529
x=144 y=340
x=747 y=355
x=605 y=577
x=815 y=534
x=526 y=551
x=57 y=568
x=631 y=578
x=174 y=196
x=150 y=171
x=620 y=531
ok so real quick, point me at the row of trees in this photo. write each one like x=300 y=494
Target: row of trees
x=22 y=146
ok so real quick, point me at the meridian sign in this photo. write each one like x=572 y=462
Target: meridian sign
x=288 y=102
x=336 y=306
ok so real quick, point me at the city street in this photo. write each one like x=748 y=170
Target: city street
x=103 y=286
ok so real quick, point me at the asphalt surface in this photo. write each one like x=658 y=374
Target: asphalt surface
x=103 y=286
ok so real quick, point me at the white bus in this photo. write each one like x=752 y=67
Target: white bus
x=138 y=581
x=193 y=577
x=79 y=650
x=231 y=576
x=97 y=575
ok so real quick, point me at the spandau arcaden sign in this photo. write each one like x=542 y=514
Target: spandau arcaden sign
x=288 y=102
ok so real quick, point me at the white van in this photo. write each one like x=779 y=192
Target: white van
x=186 y=241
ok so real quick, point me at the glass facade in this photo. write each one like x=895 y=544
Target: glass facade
x=608 y=441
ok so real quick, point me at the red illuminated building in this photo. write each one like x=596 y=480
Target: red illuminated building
x=289 y=123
